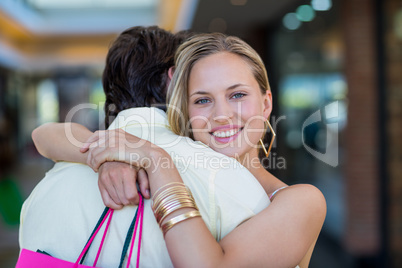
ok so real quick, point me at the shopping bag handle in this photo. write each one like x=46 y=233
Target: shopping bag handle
x=131 y=233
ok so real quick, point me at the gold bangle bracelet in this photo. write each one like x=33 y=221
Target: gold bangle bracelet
x=170 y=183
x=168 y=212
x=170 y=199
x=161 y=196
x=166 y=193
x=172 y=222
x=173 y=203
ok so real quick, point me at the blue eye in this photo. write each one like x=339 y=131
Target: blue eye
x=238 y=95
x=201 y=101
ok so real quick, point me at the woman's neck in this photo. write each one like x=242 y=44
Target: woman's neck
x=250 y=160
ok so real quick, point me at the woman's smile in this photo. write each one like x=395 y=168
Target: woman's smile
x=226 y=134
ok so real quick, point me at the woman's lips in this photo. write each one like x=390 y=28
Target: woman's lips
x=224 y=134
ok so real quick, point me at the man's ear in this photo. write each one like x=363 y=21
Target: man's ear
x=171 y=72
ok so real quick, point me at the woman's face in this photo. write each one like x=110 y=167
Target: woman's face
x=226 y=107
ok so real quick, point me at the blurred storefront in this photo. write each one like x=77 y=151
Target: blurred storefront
x=346 y=64
x=335 y=69
x=307 y=56
x=335 y=72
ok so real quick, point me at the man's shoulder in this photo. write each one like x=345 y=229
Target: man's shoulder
x=140 y=117
x=151 y=124
x=59 y=166
x=67 y=175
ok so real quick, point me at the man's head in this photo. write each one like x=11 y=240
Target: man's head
x=136 y=71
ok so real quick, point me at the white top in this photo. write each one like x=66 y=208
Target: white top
x=62 y=210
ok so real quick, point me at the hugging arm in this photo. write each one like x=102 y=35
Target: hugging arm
x=279 y=236
x=117 y=181
x=61 y=141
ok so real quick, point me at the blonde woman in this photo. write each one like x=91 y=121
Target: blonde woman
x=219 y=95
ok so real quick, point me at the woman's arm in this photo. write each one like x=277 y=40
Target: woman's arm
x=61 y=141
x=117 y=181
x=279 y=236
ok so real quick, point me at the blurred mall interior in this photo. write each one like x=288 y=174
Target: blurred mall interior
x=335 y=70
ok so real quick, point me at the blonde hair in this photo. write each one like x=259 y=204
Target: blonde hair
x=187 y=55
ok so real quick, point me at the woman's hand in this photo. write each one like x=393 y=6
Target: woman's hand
x=118 y=145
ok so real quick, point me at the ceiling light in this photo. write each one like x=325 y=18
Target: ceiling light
x=305 y=13
x=291 y=22
x=91 y=4
x=321 y=5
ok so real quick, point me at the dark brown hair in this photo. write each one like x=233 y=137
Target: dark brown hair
x=136 y=71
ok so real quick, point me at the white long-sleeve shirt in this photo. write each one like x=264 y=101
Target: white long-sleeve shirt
x=62 y=210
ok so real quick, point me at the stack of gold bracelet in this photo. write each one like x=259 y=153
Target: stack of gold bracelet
x=169 y=198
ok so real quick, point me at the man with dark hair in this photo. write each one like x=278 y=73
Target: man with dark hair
x=136 y=74
x=139 y=59
x=60 y=213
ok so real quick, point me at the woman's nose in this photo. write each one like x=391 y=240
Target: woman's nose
x=223 y=112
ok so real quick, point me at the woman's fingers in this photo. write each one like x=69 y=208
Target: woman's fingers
x=100 y=154
x=97 y=135
x=118 y=145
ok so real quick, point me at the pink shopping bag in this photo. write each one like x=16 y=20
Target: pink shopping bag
x=32 y=259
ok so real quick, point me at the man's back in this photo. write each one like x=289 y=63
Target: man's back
x=62 y=210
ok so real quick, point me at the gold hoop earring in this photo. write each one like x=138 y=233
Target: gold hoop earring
x=272 y=140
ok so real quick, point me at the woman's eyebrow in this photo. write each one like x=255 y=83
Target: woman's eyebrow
x=236 y=85
x=199 y=92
